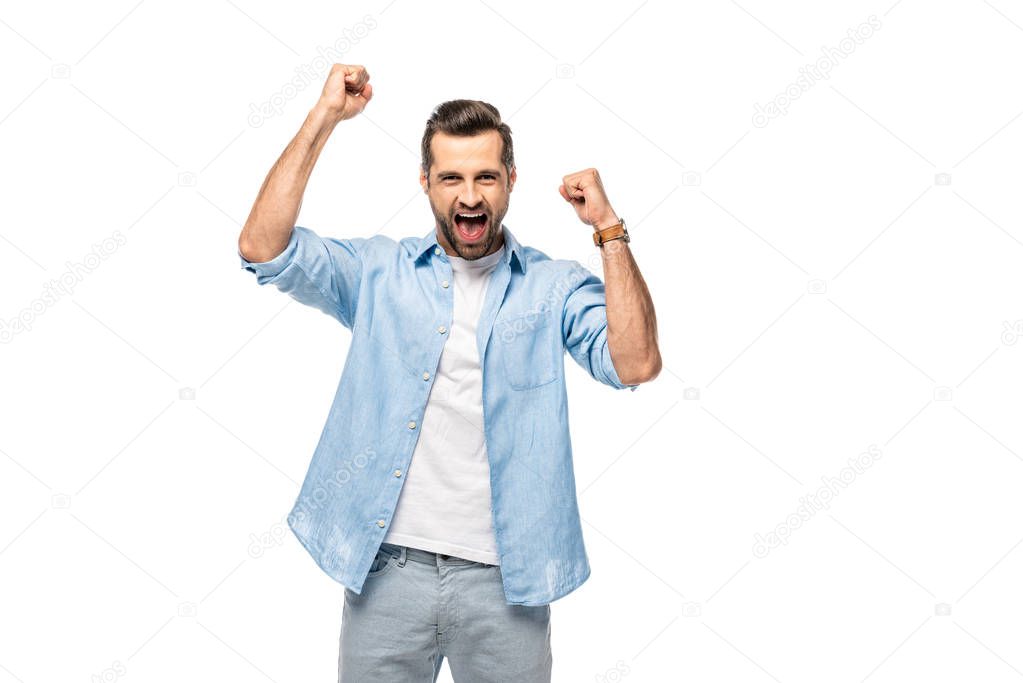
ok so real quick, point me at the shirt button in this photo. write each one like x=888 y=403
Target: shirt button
x=397 y=473
x=380 y=522
x=411 y=424
x=442 y=329
x=426 y=375
x=436 y=250
x=444 y=284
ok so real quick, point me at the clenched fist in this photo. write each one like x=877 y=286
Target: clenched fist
x=346 y=91
x=585 y=192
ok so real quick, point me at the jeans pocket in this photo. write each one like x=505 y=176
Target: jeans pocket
x=382 y=562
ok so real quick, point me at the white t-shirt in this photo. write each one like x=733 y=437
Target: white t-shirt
x=444 y=504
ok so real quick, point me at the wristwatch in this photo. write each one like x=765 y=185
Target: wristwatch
x=615 y=232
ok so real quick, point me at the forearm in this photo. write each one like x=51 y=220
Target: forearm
x=275 y=211
x=631 y=322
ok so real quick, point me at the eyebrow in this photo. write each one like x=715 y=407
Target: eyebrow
x=491 y=171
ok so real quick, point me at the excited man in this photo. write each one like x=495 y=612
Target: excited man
x=441 y=493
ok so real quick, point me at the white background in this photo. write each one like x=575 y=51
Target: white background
x=844 y=278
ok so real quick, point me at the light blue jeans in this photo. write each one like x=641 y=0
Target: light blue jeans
x=418 y=607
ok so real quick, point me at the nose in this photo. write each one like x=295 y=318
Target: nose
x=470 y=199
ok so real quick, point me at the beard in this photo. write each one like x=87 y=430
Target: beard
x=482 y=245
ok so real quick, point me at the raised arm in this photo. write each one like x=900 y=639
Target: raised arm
x=268 y=228
x=631 y=325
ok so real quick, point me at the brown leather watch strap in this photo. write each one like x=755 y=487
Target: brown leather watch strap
x=616 y=231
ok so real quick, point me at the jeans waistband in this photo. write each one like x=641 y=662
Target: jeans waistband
x=404 y=553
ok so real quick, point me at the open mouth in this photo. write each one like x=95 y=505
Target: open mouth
x=471 y=226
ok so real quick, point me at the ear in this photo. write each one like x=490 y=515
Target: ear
x=424 y=181
x=511 y=179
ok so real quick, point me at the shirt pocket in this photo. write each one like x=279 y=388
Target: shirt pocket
x=527 y=350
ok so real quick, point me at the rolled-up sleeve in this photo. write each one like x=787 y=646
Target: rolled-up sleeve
x=584 y=328
x=322 y=272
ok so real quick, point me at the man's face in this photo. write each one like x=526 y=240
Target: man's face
x=468 y=178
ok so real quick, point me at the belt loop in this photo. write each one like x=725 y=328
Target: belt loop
x=403 y=556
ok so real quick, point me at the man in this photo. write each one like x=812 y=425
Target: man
x=441 y=493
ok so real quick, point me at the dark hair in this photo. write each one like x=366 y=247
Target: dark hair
x=466 y=118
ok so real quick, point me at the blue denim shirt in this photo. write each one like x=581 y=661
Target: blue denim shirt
x=397 y=299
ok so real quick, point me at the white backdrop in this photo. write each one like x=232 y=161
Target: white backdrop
x=824 y=482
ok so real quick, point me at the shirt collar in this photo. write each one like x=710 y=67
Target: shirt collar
x=512 y=248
